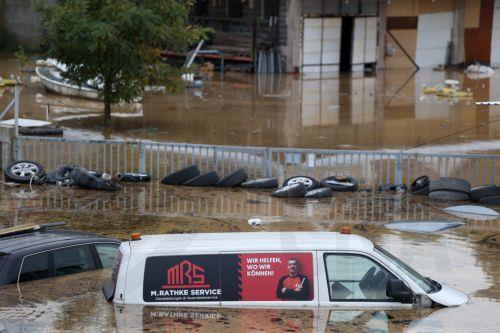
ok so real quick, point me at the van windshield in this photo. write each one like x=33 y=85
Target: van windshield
x=426 y=284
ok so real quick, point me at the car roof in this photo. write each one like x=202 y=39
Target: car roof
x=44 y=238
x=252 y=241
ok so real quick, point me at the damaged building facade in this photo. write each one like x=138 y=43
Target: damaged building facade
x=311 y=36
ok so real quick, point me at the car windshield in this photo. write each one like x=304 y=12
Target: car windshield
x=426 y=284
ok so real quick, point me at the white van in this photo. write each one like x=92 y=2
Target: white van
x=269 y=269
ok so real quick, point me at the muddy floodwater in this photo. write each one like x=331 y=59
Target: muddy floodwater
x=382 y=111
x=467 y=258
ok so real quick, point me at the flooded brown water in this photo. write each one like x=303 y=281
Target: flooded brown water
x=467 y=258
x=386 y=111
x=383 y=111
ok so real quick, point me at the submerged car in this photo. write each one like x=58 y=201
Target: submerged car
x=33 y=252
x=269 y=269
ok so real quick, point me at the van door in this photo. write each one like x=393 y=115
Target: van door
x=281 y=279
x=354 y=280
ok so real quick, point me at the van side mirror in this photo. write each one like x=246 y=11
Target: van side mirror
x=397 y=290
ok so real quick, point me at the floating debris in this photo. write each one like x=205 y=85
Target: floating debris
x=423 y=226
x=472 y=212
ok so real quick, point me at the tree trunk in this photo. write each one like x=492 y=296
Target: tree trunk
x=107 y=105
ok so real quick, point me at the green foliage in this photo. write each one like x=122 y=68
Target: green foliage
x=118 y=42
x=21 y=56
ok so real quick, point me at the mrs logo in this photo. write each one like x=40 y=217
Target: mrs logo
x=185 y=275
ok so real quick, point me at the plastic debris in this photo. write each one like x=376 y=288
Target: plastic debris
x=477 y=72
x=423 y=226
x=472 y=212
x=255 y=222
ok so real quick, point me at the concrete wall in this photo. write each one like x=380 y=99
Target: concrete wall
x=19 y=17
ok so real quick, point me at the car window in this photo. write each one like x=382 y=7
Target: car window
x=72 y=260
x=3 y=259
x=35 y=267
x=107 y=254
x=354 y=277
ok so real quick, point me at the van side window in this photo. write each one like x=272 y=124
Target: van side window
x=72 y=260
x=107 y=254
x=35 y=267
x=354 y=277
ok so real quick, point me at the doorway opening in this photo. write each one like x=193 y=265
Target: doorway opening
x=346 y=43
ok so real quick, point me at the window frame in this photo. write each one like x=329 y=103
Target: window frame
x=50 y=267
x=363 y=255
x=93 y=251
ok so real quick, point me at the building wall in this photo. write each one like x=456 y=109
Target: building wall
x=477 y=40
x=402 y=21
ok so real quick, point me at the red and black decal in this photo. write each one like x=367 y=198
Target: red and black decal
x=182 y=279
x=230 y=277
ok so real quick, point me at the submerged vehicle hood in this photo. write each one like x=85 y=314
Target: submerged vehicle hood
x=449 y=296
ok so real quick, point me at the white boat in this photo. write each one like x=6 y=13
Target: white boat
x=53 y=81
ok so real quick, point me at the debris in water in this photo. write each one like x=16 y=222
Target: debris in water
x=10 y=184
x=25 y=194
x=488 y=103
x=423 y=226
x=258 y=221
x=472 y=212
x=255 y=222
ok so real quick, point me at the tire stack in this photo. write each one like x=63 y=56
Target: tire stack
x=449 y=189
x=486 y=194
x=308 y=187
x=191 y=176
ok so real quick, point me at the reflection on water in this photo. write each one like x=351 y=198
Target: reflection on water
x=371 y=112
x=461 y=258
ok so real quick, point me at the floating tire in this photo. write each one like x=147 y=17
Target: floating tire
x=309 y=182
x=492 y=200
x=341 y=184
x=297 y=190
x=206 y=179
x=479 y=192
x=232 y=180
x=420 y=186
x=448 y=195
x=181 y=176
x=324 y=192
x=24 y=172
x=261 y=183
x=449 y=184
x=133 y=177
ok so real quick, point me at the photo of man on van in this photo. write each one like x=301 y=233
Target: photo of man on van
x=294 y=286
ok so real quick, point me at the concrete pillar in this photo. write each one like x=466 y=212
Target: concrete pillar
x=7 y=145
x=458 y=52
x=381 y=32
x=292 y=50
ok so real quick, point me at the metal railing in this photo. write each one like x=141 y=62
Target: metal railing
x=371 y=168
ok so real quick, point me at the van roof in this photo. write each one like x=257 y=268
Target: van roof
x=259 y=241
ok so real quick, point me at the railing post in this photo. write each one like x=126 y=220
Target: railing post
x=268 y=160
x=142 y=157
x=398 y=168
x=216 y=161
